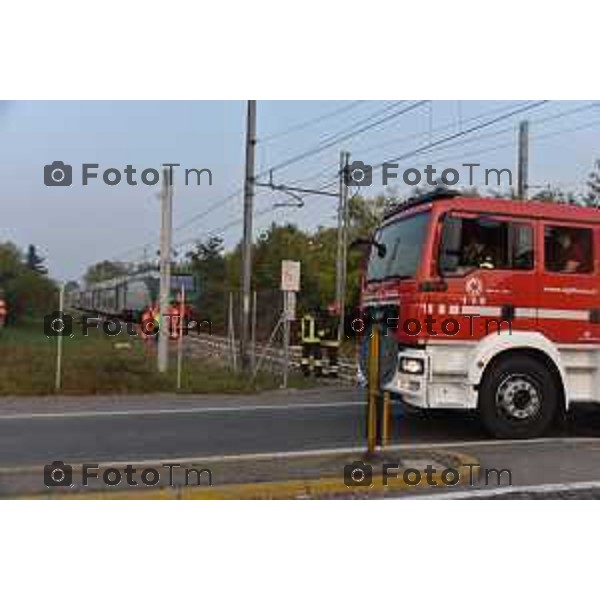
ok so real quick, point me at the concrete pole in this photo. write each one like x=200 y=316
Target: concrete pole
x=166 y=225
x=246 y=283
x=340 y=235
x=344 y=274
x=523 y=161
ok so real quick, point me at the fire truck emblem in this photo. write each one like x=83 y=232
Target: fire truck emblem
x=474 y=286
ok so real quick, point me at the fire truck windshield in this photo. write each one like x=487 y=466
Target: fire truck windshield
x=403 y=241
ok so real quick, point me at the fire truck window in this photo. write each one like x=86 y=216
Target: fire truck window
x=484 y=243
x=568 y=250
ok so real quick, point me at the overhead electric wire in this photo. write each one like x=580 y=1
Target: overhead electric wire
x=462 y=133
x=337 y=138
x=310 y=122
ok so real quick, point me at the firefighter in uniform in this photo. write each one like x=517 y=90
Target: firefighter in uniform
x=311 y=349
x=329 y=341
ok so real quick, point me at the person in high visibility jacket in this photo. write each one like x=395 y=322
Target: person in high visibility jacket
x=311 y=360
x=3 y=312
x=174 y=320
x=147 y=324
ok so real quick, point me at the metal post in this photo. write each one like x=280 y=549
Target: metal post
x=59 y=340
x=231 y=334
x=180 y=339
x=253 y=329
x=286 y=338
x=386 y=420
x=247 y=239
x=523 y=161
x=166 y=225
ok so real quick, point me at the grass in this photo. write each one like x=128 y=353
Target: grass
x=98 y=364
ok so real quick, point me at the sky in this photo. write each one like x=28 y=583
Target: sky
x=76 y=226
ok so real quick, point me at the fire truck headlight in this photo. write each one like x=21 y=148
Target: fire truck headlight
x=414 y=366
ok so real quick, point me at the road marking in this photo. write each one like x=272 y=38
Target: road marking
x=211 y=458
x=543 y=488
x=174 y=411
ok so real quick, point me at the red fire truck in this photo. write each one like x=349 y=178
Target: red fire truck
x=488 y=304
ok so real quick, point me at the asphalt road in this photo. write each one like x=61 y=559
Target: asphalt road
x=36 y=431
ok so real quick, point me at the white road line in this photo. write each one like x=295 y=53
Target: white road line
x=174 y=411
x=188 y=460
x=498 y=492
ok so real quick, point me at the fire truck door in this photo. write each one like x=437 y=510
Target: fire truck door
x=569 y=310
x=489 y=265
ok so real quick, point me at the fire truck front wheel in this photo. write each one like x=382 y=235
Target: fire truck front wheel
x=518 y=398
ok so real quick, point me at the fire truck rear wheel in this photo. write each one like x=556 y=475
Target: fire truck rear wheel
x=518 y=398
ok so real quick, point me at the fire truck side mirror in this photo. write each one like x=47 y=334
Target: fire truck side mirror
x=366 y=243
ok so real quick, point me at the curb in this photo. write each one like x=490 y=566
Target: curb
x=326 y=487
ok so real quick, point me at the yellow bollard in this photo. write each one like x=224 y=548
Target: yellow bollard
x=373 y=389
x=386 y=425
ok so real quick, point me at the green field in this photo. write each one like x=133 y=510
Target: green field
x=98 y=364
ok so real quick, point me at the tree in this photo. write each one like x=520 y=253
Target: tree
x=71 y=286
x=10 y=262
x=593 y=184
x=34 y=261
x=28 y=292
x=207 y=263
x=105 y=269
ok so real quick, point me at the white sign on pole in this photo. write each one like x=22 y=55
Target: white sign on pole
x=290 y=275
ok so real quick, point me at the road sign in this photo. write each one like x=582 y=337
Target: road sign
x=290 y=275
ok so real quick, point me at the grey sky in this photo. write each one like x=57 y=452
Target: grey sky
x=77 y=226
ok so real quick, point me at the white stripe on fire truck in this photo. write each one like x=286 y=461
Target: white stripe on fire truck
x=496 y=311
x=482 y=311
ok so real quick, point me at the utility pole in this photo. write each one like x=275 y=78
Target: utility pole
x=166 y=225
x=342 y=240
x=523 y=161
x=246 y=282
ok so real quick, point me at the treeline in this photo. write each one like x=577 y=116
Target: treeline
x=219 y=271
x=24 y=283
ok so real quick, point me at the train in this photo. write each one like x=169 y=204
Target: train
x=128 y=296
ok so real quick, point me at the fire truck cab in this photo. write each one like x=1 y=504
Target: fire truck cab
x=488 y=304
